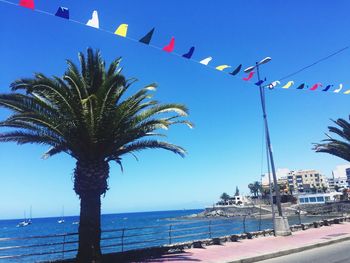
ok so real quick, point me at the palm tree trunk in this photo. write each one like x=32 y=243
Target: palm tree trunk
x=90 y=182
x=89 y=228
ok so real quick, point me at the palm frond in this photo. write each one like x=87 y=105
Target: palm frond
x=149 y=144
x=337 y=147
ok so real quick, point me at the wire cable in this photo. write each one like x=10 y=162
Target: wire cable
x=314 y=63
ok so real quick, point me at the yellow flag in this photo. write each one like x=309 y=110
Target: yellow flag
x=288 y=85
x=122 y=30
x=222 y=67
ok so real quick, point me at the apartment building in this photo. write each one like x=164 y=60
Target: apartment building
x=307 y=181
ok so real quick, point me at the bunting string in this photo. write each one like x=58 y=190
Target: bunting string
x=315 y=86
x=122 y=31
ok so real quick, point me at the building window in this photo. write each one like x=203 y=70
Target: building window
x=302 y=200
x=320 y=199
x=306 y=199
x=312 y=199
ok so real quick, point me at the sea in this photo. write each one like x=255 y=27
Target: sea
x=45 y=239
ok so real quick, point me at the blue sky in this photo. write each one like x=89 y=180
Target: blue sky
x=225 y=148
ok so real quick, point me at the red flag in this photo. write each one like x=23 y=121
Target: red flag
x=170 y=47
x=314 y=87
x=27 y=3
x=251 y=74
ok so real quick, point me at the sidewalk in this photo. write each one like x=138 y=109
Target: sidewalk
x=257 y=249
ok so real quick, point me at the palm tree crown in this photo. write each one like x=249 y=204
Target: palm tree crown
x=83 y=114
x=338 y=147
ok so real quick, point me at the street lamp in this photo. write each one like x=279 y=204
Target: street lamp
x=281 y=225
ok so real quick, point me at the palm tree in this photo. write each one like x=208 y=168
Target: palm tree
x=87 y=115
x=338 y=147
x=224 y=197
x=255 y=188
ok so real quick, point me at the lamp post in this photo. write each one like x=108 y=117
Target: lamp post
x=281 y=225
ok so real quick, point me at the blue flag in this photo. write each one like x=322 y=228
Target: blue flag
x=62 y=12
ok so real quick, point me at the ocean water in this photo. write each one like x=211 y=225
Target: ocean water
x=120 y=232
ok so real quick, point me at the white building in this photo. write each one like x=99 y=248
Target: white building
x=341 y=182
x=340 y=177
x=340 y=170
x=319 y=198
x=234 y=200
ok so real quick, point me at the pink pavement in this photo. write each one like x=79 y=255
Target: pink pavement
x=244 y=249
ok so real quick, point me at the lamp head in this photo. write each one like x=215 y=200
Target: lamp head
x=264 y=61
x=249 y=69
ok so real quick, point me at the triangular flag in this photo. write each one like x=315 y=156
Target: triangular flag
x=288 y=85
x=222 y=67
x=301 y=86
x=314 y=87
x=260 y=82
x=251 y=74
x=339 y=89
x=170 y=47
x=327 y=87
x=27 y=3
x=347 y=92
x=273 y=84
x=206 y=61
x=147 y=38
x=93 y=22
x=237 y=70
x=122 y=30
x=62 y=12
x=189 y=53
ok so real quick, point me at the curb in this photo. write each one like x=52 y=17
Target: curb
x=289 y=251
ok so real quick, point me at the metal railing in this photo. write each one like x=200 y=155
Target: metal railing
x=36 y=246
x=64 y=246
x=61 y=246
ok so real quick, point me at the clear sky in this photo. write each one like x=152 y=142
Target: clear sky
x=225 y=148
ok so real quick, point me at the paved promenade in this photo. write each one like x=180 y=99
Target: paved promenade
x=254 y=250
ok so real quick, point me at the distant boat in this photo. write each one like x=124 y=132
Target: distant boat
x=26 y=222
x=61 y=221
x=75 y=223
x=23 y=223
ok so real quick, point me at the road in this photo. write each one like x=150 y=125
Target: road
x=335 y=253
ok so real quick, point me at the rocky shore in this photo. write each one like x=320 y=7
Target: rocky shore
x=264 y=211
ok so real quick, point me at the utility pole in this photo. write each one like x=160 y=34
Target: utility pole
x=268 y=143
x=281 y=225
